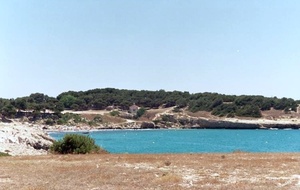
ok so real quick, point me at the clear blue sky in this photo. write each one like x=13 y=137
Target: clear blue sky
x=226 y=46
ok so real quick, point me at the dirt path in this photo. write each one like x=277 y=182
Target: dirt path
x=99 y=112
x=167 y=171
x=162 y=112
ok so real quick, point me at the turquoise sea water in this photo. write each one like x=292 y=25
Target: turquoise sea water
x=195 y=141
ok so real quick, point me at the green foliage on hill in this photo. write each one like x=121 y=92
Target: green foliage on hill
x=68 y=118
x=140 y=112
x=225 y=110
x=249 y=111
x=98 y=99
x=75 y=144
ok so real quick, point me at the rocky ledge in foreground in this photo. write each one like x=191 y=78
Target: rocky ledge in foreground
x=16 y=139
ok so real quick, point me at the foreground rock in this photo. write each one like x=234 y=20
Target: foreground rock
x=16 y=139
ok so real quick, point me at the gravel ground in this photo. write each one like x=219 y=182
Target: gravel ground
x=152 y=171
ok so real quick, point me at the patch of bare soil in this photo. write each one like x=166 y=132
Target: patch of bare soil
x=162 y=171
x=106 y=118
x=201 y=114
x=279 y=114
x=151 y=114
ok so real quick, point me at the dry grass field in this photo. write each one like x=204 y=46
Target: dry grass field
x=160 y=171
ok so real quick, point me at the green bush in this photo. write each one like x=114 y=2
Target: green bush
x=4 y=154
x=61 y=122
x=140 y=112
x=249 y=111
x=71 y=118
x=225 y=110
x=98 y=118
x=49 y=122
x=75 y=144
x=176 y=110
x=114 y=113
x=168 y=118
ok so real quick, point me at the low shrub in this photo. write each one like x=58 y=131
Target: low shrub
x=177 y=110
x=49 y=122
x=61 y=122
x=140 y=112
x=114 y=113
x=249 y=111
x=75 y=144
x=168 y=118
x=4 y=154
x=98 y=118
x=73 y=117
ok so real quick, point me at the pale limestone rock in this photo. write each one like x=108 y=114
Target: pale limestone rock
x=17 y=139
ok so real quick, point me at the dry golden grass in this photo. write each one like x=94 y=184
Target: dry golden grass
x=201 y=114
x=150 y=114
x=107 y=118
x=277 y=114
x=162 y=171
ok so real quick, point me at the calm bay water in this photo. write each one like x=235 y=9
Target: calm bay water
x=195 y=141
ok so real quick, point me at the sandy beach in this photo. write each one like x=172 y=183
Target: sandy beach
x=19 y=138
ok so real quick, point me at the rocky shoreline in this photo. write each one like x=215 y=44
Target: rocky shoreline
x=29 y=139
x=187 y=123
x=243 y=124
x=21 y=139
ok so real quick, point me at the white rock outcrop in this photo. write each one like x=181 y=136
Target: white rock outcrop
x=17 y=139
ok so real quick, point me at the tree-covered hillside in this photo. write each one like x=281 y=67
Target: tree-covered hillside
x=98 y=99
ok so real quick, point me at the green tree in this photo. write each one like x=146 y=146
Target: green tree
x=216 y=103
x=249 y=111
x=201 y=104
x=140 y=112
x=225 y=110
x=98 y=104
x=38 y=98
x=285 y=103
x=68 y=101
x=3 y=103
x=267 y=104
x=59 y=107
x=181 y=103
x=9 y=111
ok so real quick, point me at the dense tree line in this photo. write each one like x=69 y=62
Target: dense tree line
x=99 y=99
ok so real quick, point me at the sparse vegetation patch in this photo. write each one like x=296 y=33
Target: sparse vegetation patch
x=75 y=144
x=4 y=154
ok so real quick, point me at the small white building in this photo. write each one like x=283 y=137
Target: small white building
x=133 y=109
